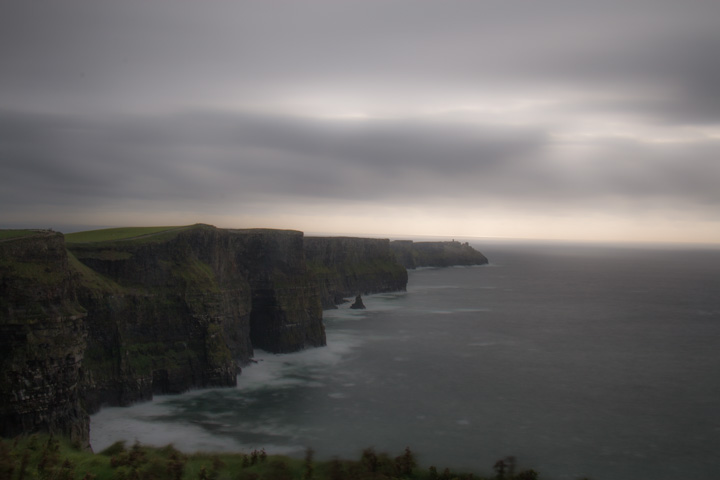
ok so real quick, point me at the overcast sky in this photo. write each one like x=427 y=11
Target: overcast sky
x=591 y=120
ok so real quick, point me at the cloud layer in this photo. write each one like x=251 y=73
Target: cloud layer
x=564 y=108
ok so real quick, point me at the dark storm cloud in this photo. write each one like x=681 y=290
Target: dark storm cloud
x=197 y=159
x=198 y=156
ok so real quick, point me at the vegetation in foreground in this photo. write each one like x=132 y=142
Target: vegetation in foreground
x=43 y=457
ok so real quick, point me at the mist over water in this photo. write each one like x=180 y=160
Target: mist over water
x=578 y=360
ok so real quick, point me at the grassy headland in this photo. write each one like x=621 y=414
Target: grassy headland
x=8 y=234
x=112 y=234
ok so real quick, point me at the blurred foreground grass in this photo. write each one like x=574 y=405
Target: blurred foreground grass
x=43 y=457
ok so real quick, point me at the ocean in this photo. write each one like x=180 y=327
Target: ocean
x=578 y=360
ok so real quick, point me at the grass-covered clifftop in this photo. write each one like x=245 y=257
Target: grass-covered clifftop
x=15 y=233
x=125 y=233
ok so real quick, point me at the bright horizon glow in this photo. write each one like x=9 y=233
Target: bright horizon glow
x=599 y=229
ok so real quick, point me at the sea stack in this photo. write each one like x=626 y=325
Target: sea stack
x=358 y=305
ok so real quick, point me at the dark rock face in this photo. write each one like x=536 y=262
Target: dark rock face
x=42 y=339
x=344 y=266
x=286 y=313
x=189 y=309
x=435 y=254
x=164 y=315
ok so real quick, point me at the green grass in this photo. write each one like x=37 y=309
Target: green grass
x=144 y=358
x=319 y=268
x=196 y=273
x=8 y=234
x=45 y=457
x=113 y=234
x=32 y=272
x=90 y=278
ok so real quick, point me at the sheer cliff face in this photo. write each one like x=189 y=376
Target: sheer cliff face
x=347 y=266
x=172 y=314
x=190 y=306
x=286 y=312
x=42 y=339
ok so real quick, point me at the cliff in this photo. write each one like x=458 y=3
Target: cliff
x=345 y=267
x=115 y=316
x=286 y=313
x=42 y=338
x=435 y=254
x=186 y=306
x=104 y=318
x=166 y=312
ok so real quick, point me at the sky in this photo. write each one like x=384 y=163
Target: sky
x=558 y=119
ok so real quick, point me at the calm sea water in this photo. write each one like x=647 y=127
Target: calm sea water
x=580 y=361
